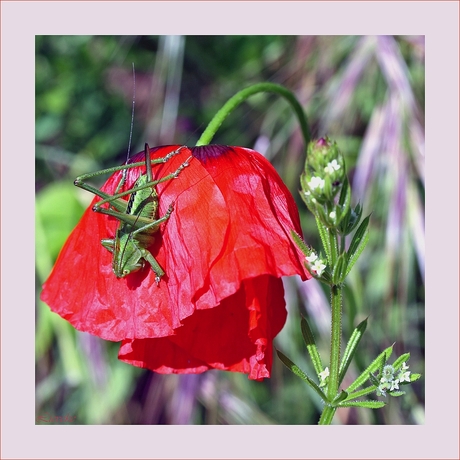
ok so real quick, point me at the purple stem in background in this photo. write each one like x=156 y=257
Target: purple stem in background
x=92 y=348
x=397 y=76
x=397 y=165
x=316 y=304
x=180 y=411
x=341 y=91
x=369 y=155
x=394 y=70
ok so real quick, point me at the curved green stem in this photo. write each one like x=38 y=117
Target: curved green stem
x=241 y=96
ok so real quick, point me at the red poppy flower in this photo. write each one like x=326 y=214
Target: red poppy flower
x=224 y=249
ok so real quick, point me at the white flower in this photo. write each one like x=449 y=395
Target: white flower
x=332 y=166
x=324 y=374
x=316 y=264
x=381 y=390
x=394 y=385
x=332 y=214
x=404 y=376
x=318 y=267
x=316 y=182
x=388 y=373
x=404 y=373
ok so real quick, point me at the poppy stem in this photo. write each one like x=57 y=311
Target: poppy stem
x=244 y=94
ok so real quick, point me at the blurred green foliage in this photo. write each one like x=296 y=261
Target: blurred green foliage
x=367 y=93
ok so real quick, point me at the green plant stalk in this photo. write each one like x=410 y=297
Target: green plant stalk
x=327 y=415
x=336 y=334
x=334 y=246
x=244 y=94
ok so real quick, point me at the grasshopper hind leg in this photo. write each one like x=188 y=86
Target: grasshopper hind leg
x=154 y=265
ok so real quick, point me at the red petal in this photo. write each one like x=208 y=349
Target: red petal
x=236 y=335
x=230 y=225
x=262 y=213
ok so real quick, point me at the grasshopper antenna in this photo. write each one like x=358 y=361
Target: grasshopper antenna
x=132 y=116
x=128 y=153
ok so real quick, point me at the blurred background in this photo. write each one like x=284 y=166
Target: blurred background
x=365 y=92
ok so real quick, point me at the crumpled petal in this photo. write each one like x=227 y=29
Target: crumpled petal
x=235 y=336
x=230 y=229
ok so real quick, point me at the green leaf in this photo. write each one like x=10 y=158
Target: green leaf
x=300 y=243
x=309 y=340
x=414 y=377
x=342 y=396
x=402 y=359
x=350 y=349
x=344 y=194
x=358 y=213
x=339 y=270
x=351 y=220
x=360 y=232
x=358 y=243
x=300 y=373
x=383 y=361
x=360 y=393
x=367 y=404
x=344 y=201
x=324 y=234
x=374 y=380
x=325 y=277
x=397 y=393
x=57 y=211
x=376 y=365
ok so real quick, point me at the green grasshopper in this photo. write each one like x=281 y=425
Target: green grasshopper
x=138 y=217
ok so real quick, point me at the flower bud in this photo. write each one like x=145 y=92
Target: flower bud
x=322 y=180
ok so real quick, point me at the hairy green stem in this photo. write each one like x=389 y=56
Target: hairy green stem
x=334 y=246
x=327 y=415
x=336 y=335
x=241 y=96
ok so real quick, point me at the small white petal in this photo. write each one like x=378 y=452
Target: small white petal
x=404 y=376
x=332 y=166
x=324 y=374
x=318 y=267
x=316 y=182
